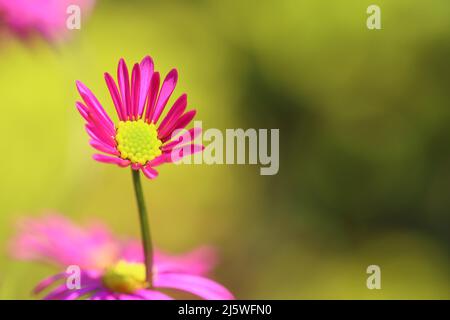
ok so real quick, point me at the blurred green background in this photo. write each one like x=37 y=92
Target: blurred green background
x=364 y=119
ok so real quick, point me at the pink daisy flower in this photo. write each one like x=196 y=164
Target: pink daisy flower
x=46 y=17
x=137 y=140
x=111 y=268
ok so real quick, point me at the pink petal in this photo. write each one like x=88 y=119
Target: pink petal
x=185 y=138
x=174 y=113
x=152 y=295
x=197 y=262
x=159 y=160
x=166 y=91
x=96 y=137
x=136 y=90
x=199 y=286
x=178 y=153
x=112 y=160
x=124 y=85
x=136 y=166
x=146 y=76
x=149 y=172
x=181 y=123
x=100 y=146
x=100 y=135
x=93 y=104
x=82 y=109
x=115 y=95
x=95 y=121
x=152 y=95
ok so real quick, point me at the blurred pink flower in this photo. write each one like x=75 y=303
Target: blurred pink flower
x=46 y=17
x=111 y=268
x=136 y=141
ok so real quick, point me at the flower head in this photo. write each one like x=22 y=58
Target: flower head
x=111 y=268
x=45 y=17
x=138 y=139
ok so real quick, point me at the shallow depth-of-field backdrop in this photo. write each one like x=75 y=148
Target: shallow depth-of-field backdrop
x=364 y=119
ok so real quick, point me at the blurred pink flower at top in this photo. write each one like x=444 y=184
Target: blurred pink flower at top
x=45 y=17
x=111 y=268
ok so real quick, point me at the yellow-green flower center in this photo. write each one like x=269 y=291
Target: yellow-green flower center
x=125 y=277
x=138 y=141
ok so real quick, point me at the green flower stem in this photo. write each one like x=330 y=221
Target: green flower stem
x=145 y=230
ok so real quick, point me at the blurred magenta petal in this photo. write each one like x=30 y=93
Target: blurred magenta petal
x=152 y=295
x=26 y=18
x=185 y=138
x=55 y=239
x=100 y=146
x=178 y=153
x=199 y=286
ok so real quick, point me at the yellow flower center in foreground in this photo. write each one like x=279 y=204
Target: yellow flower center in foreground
x=125 y=277
x=138 y=141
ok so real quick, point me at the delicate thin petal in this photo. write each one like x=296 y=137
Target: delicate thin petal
x=159 y=160
x=93 y=104
x=149 y=172
x=135 y=90
x=181 y=123
x=100 y=135
x=124 y=85
x=152 y=95
x=100 y=146
x=100 y=125
x=166 y=91
x=185 y=138
x=115 y=95
x=112 y=160
x=146 y=76
x=178 y=153
x=174 y=113
x=152 y=295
